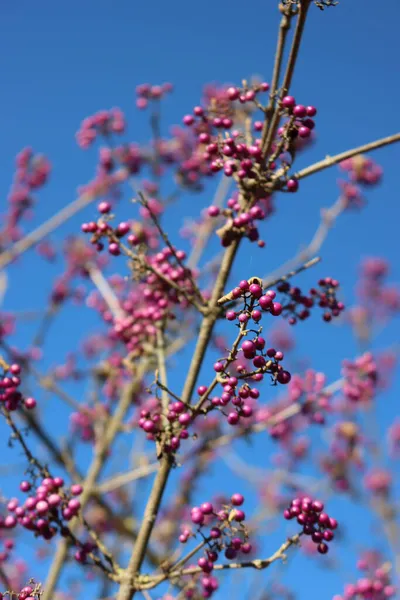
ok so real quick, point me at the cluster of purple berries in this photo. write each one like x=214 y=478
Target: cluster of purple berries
x=298 y=306
x=218 y=115
x=44 y=511
x=146 y=92
x=8 y=546
x=10 y=395
x=227 y=534
x=178 y=418
x=28 y=592
x=103 y=123
x=316 y=523
x=102 y=229
x=240 y=222
x=375 y=587
x=361 y=378
x=255 y=299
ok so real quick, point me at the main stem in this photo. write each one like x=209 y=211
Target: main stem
x=127 y=588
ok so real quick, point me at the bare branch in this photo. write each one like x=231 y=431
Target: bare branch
x=45 y=228
x=329 y=161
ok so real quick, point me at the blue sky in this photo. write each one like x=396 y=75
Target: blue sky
x=60 y=62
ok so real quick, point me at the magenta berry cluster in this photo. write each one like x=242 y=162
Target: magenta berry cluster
x=300 y=124
x=104 y=123
x=315 y=523
x=225 y=533
x=146 y=93
x=32 y=591
x=32 y=172
x=298 y=305
x=8 y=545
x=309 y=391
x=10 y=395
x=239 y=222
x=178 y=419
x=103 y=230
x=251 y=292
x=44 y=511
x=375 y=585
x=361 y=378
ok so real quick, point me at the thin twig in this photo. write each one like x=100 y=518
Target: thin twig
x=328 y=219
x=269 y=133
x=329 y=161
x=259 y=564
x=284 y=28
x=162 y=371
x=206 y=229
x=188 y=272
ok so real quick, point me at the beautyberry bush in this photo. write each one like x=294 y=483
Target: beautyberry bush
x=171 y=439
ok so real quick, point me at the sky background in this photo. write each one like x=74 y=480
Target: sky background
x=61 y=62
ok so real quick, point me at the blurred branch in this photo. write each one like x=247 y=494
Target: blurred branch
x=44 y=229
x=123 y=478
x=106 y=291
x=206 y=229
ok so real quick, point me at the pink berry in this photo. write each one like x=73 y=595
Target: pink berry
x=188 y=120
x=237 y=499
x=104 y=207
x=300 y=110
x=288 y=102
x=276 y=309
x=292 y=185
x=213 y=211
x=30 y=403
x=232 y=93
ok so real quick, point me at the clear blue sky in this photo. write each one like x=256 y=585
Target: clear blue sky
x=60 y=62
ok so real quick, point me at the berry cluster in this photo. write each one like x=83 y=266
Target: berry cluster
x=344 y=454
x=309 y=391
x=300 y=124
x=10 y=396
x=44 y=511
x=32 y=172
x=299 y=305
x=32 y=591
x=251 y=292
x=378 y=298
x=146 y=93
x=8 y=546
x=376 y=586
x=227 y=534
x=240 y=223
x=104 y=123
x=362 y=170
x=102 y=229
x=361 y=378
x=219 y=112
x=167 y=281
x=379 y=482
x=315 y=523
x=178 y=419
